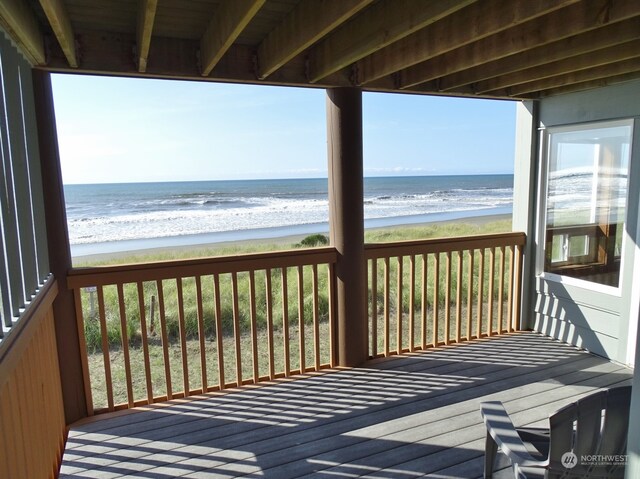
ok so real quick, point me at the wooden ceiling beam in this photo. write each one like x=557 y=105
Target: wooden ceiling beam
x=17 y=19
x=146 y=18
x=61 y=26
x=570 y=21
x=601 y=72
x=590 y=85
x=305 y=25
x=175 y=58
x=231 y=17
x=380 y=25
x=470 y=24
x=609 y=36
x=585 y=61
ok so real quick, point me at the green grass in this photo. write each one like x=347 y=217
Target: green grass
x=190 y=332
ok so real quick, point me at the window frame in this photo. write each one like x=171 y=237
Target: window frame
x=541 y=213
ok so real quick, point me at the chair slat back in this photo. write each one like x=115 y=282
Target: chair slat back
x=595 y=425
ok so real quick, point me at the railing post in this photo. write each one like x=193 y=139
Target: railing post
x=346 y=217
x=59 y=251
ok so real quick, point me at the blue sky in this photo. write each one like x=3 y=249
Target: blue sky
x=115 y=130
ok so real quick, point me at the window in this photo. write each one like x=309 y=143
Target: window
x=587 y=183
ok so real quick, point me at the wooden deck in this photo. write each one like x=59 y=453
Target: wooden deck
x=410 y=416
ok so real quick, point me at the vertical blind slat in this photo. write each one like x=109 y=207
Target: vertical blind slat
x=35 y=172
x=7 y=202
x=20 y=173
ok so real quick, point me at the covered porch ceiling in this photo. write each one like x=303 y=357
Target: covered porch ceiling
x=506 y=49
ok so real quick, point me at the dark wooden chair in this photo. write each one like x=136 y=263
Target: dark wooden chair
x=585 y=439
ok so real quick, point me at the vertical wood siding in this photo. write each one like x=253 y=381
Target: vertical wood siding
x=32 y=423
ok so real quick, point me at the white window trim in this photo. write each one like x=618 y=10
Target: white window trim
x=541 y=212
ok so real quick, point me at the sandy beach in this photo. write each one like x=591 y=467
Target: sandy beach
x=208 y=249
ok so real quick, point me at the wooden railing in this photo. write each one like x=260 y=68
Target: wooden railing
x=32 y=422
x=428 y=293
x=159 y=331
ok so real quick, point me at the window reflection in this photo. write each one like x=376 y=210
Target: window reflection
x=586 y=201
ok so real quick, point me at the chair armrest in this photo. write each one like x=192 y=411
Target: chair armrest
x=503 y=432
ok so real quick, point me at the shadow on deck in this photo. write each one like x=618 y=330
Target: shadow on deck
x=415 y=415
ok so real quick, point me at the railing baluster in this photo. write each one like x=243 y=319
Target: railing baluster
x=424 y=300
x=105 y=348
x=518 y=287
x=436 y=293
x=399 y=305
x=459 y=297
x=125 y=344
x=492 y=271
x=447 y=300
x=269 y=308
x=219 y=331
x=254 y=327
x=331 y=286
x=510 y=289
x=201 y=335
x=165 y=339
x=183 y=338
x=236 y=327
x=301 y=345
x=145 y=343
x=77 y=294
x=316 y=319
x=480 y=293
x=374 y=307
x=387 y=306
x=412 y=301
x=501 y=292
x=285 y=323
x=470 y=293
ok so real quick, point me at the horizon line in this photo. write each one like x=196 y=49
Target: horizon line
x=279 y=179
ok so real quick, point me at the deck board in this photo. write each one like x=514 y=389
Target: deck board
x=409 y=416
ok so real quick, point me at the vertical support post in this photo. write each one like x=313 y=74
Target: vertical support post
x=69 y=355
x=525 y=198
x=346 y=221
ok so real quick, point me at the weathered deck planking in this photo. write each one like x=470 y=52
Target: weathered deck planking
x=411 y=416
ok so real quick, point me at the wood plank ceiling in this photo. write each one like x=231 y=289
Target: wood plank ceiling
x=511 y=49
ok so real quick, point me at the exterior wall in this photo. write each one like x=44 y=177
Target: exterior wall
x=32 y=423
x=633 y=448
x=604 y=324
x=595 y=320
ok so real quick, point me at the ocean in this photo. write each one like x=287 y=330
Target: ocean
x=106 y=218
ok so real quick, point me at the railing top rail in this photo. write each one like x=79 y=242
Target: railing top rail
x=442 y=245
x=130 y=273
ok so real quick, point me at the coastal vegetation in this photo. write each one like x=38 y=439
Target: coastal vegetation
x=172 y=308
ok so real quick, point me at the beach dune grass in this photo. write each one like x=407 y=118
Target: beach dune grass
x=183 y=335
